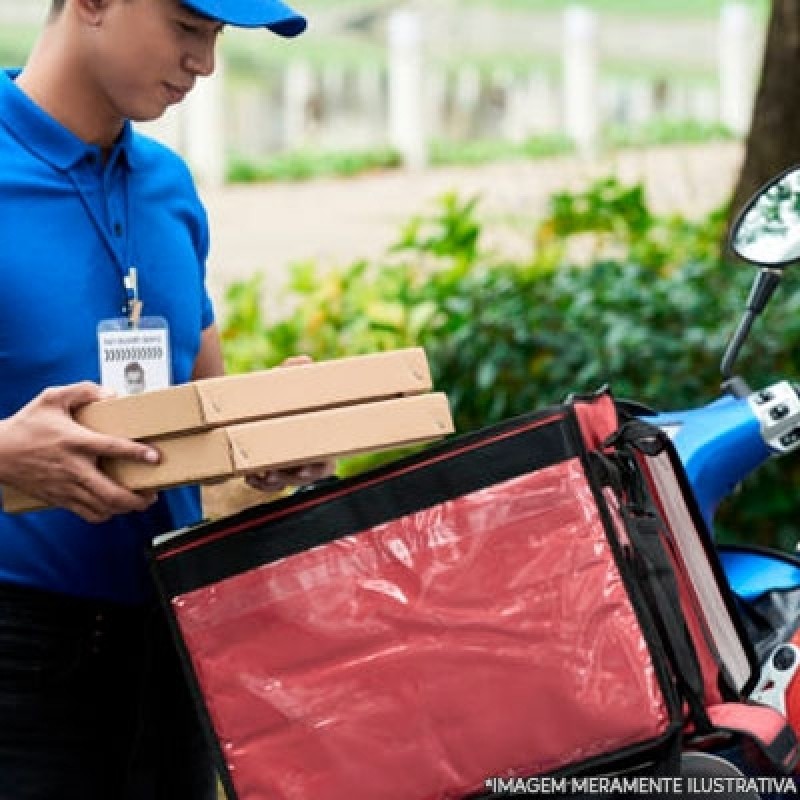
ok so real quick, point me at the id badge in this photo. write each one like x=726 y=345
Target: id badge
x=134 y=359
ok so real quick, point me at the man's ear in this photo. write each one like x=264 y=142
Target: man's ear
x=91 y=11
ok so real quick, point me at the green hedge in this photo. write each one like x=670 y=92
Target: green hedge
x=611 y=293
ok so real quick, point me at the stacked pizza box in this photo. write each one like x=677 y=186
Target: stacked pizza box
x=282 y=417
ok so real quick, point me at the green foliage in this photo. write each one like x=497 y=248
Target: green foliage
x=472 y=153
x=302 y=165
x=666 y=131
x=611 y=293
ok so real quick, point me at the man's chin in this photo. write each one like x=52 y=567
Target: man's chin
x=149 y=115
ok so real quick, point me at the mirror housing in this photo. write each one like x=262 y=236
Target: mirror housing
x=767 y=231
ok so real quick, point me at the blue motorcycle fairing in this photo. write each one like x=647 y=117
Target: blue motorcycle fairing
x=752 y=571
x=719 y=445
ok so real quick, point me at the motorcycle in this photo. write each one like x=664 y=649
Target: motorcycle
x=721 y=443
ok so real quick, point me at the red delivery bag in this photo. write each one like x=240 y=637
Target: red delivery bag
x=487 y=608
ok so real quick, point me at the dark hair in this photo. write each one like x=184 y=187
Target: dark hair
x=134 y=367
x=57 y=6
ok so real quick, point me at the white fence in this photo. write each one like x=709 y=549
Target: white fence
x=412 y=99
x=411 y=96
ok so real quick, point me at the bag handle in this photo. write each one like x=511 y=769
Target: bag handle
x=762 y=725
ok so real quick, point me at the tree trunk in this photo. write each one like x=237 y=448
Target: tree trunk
x=773 y=144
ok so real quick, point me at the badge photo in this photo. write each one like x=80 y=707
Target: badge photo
x=134 y=359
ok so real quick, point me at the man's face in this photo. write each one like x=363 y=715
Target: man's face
x=147 y=54
x=134 y=381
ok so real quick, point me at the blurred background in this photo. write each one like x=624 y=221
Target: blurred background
x=458 y=81
x=536 y=191
x=413 y=94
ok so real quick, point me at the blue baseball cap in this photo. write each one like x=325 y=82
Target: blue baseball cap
x=272 y=14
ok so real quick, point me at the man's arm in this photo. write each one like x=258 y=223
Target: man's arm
x=45 y=453
x=209 y=363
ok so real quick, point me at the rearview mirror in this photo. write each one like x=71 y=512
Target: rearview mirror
x=767 y=232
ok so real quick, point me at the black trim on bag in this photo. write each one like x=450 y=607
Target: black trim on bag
x=464 y=465
x=199 y=701
x=782 y=750
x=641 y=608
x=706 y=542
x=199 y=533
x=712 y=556
x=659 y=581
x=650 y=560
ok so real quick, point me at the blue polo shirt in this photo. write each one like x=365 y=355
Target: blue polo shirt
x=70 y=226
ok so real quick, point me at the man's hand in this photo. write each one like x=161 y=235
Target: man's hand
x=279 y=479
x=45 y=453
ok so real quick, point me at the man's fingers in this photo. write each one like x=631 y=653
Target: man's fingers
x=277 y=479
x=102 y=446
x=86 y=507
x=266 y=482
x=56 y=460
x=86 y=513
x=96 y=505
x=107 y=497
x=75 y=395
x=308 y=473
x=297 y=361
x=75 y=497
x=88 y=492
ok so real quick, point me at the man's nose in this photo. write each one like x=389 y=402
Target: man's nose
x=201 y=61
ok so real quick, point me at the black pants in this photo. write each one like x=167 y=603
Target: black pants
x=93 y=704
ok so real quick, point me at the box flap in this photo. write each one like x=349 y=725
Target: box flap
x=338 y=432
x=317 y=385
x=193 y=458
x=146 y=415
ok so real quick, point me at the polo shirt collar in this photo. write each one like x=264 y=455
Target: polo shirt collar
x=46 y=137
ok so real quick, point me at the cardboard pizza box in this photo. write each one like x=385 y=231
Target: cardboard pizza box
x=215 y=402
x=274 y=443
